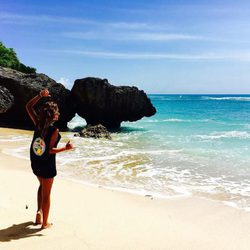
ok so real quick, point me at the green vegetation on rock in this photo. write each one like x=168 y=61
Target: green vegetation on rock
x=8 y=59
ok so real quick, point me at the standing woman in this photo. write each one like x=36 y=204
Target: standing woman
x=42 y=152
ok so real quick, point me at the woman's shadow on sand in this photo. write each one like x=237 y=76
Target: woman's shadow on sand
x=19 y=231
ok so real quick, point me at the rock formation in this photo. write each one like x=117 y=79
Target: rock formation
x=95 y=131
x=94 y=99
x=6 y=99
x=25 y=86
x=97 y=101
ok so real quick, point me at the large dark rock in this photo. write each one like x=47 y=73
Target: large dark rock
x=25 y=86
x=94 y=131
x=99 y=102
x=6 y=99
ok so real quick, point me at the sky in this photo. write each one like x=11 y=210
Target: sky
x=162 y=47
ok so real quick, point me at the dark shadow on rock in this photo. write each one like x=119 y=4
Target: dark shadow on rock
x=126 y=130
x=77 y=128
x=19 y=231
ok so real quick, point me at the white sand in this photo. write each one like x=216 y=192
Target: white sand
x=95 y=218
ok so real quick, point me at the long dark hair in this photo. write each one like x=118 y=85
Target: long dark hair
x=46 y=117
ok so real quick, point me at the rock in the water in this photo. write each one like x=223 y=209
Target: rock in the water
x=25 y=86
x=95 y=131
x=6 y=99
x=99 y=102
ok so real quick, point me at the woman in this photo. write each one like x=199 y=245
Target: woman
x=42 y=152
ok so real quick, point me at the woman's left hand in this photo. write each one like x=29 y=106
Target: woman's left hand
x=69 y=145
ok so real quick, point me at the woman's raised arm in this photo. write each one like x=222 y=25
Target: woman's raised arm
x=31 y=103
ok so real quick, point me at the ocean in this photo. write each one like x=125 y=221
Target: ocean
x=195 y=145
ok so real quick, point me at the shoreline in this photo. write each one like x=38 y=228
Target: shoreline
x=142 y=193
x=87 y=217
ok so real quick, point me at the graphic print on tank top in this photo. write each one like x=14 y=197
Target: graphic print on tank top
x=39 y=146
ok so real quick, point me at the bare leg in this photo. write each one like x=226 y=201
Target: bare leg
x=46 y=189
x=39 y=204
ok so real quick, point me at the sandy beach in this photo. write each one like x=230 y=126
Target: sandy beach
x=85 y=217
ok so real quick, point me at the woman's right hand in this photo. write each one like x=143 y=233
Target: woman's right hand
x=44 y=93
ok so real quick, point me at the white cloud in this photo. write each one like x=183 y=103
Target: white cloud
x=164 y=37
x=212 y=56
x=65 y=82
x=43 y=18
x=104 y=30
x=138 y=36
x=34 y=20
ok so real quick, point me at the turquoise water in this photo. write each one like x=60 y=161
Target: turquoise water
x=196 y=145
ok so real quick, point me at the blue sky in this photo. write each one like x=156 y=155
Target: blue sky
x=158 y=46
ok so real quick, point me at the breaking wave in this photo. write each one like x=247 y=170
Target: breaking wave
x=228 y=134
x=227 y=98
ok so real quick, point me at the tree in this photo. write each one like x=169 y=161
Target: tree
x=8 y=59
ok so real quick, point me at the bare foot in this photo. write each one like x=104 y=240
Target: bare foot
x=38 y=218
x=48 y=225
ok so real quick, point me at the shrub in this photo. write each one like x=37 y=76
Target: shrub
x=8 y=59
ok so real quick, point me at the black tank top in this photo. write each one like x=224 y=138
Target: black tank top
x=39 y=150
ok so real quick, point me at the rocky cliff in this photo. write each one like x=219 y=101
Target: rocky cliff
x=94 y=99
x=25 y=86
